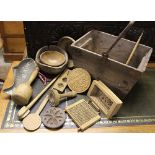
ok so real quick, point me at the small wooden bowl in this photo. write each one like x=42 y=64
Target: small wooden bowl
x=48 y=68
x=52 y=58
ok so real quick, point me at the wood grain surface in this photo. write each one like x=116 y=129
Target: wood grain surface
x=4 y=100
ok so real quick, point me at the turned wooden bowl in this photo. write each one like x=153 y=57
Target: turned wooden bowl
x=41 y=59
x=52 y=58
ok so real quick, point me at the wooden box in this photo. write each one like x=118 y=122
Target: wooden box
x=104 y=99
x=119 y=77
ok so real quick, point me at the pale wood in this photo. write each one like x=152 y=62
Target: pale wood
x=42 y=105
x=55 y=97
x=24 y=110
x=61 y=84
x=12 y=33
x=33 y=121
x=90 y=123
x=134 y=49
x=88 y=119
x=117 y=129
x=112 y=71
x=15 y=45
x=79 y=80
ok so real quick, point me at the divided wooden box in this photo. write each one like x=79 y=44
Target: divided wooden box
x=12 y=33
x=86 y=52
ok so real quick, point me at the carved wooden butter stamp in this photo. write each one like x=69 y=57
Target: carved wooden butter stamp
x=104 y=98
x=61 y=83
x=53 y=118
x=79 y=80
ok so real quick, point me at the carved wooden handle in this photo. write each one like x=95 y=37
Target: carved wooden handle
x=42 y=105
x=69 y=94
x=33 y=76
x=41 y=93
x=118 y=38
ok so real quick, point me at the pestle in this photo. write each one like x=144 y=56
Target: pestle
x=22 y=93
x=55 y=97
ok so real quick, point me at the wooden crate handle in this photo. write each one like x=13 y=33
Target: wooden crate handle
x=106 y=54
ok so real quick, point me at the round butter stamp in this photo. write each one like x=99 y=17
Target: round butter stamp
x=79 y=80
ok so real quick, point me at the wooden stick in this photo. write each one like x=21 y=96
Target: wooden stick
x=134 y=49
x=42 y=105
x=41 y=93
x=23 y=112
x=118 y=38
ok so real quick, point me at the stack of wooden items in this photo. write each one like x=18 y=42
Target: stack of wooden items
x=85 y=68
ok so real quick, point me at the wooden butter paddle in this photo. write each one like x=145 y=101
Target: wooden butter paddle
x=33 y=120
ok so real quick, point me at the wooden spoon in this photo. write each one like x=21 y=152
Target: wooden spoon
x=33 y=120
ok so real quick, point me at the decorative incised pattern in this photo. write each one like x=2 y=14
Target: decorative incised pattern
x=106 y=102
x=81 y=113
x=79 y=80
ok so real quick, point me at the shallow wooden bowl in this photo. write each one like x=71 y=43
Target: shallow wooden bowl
x=48 y=68
x=52 y=58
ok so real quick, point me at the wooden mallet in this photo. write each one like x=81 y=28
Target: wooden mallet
x=22 y=93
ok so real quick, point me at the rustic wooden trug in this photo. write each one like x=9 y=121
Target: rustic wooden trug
x=103 y=98
x=88 y=52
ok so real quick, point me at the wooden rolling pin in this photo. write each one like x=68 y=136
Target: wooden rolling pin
x=22 y=93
